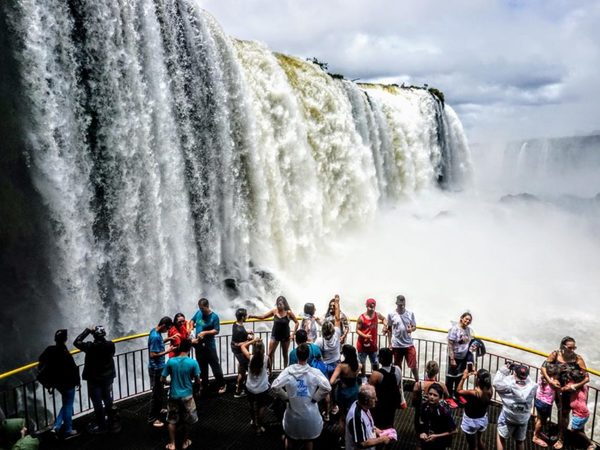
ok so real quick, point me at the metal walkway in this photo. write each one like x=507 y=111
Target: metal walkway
x=225 y=424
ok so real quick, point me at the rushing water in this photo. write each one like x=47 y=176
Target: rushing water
x=171 y=160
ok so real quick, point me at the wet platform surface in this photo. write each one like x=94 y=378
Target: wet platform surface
x=224 y=423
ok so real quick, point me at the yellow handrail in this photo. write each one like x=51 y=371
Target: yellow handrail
x=231 y=322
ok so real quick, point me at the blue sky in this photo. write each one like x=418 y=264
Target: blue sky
x=511 y=69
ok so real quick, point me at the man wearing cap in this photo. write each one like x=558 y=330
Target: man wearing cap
x=366 y=328
x=517 y=392
x=401 y=324
x=99 y=372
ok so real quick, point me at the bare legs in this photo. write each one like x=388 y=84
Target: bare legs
x=285 y=347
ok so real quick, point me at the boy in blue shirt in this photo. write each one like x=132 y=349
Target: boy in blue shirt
x=181 y=406
x=207 y=327
x=156 y=364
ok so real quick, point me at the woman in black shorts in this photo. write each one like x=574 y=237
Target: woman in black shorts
x=282 y=314
x=239 y=335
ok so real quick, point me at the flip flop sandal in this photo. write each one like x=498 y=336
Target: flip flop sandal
x=538 y=441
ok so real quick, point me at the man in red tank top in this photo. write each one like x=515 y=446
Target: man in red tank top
x=366 y=328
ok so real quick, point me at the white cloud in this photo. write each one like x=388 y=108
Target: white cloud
x=512 y=68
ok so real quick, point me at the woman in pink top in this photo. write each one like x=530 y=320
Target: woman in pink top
x=544 y=398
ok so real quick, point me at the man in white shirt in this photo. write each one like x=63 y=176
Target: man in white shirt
x=517 y=392
x=401 y=324
x=302 y=387
x=361 y=432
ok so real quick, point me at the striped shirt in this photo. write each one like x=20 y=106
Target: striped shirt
x=359 y=427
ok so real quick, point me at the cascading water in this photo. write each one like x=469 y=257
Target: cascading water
x=170 y=157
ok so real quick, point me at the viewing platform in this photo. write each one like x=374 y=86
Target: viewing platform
x=224 y=421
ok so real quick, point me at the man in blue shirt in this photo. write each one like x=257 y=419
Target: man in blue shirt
x=181 y=406
x=207 y=327
x=156 y=364
x=314 y=350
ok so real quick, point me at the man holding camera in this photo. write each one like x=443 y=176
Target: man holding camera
x=99 y=372
x=517 y=392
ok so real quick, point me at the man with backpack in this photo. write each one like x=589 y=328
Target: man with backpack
x=387 y=381
x=57 y=370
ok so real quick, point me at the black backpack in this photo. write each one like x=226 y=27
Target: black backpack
x=388 y=388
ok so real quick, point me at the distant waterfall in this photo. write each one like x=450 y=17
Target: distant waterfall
x=569 y=165
x=171 y=157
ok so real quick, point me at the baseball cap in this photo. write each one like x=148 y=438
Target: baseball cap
x=371 y=302
x=521 y=372
x=99 y=331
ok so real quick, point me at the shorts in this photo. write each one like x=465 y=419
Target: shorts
x=182 y=410
x=260 y=399
x=544 y=410
x=242 y=362
x=472 y=426
x=507 y=429
x=461 y=365
x=578 y=423
x=410 y=353
x=362 y=357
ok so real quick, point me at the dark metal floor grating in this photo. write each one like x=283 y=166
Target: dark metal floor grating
x=225 y=424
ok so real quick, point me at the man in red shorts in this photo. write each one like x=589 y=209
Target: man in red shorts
x=401 y=324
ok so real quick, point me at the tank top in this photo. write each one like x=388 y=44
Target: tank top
x=476 y=407
x=387 y=391
x=281 y=327
x=369 y=326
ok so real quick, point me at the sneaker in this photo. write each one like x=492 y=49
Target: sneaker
x=451 y=403
x=71 y=434
x=240 y=394
x=158 y=424
x=222 y=389
x=97 y=429
x=163 y=411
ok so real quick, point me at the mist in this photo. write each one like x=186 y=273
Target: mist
x=524 y=264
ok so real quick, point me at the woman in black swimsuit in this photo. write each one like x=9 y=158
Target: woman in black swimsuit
x=565 y=359
x=282 y=314
x=475 y=419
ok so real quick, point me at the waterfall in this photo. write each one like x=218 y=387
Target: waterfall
x=171 y=158
x=569 y=165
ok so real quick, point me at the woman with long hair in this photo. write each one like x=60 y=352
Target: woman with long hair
x=565 y=359
x=475 y=418
x=346 y=376
x=178 y=332
x=282 y=315
x=257 y=383
x=459 y=337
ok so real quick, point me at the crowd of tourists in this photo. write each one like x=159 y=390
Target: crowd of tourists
x=324 y=377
